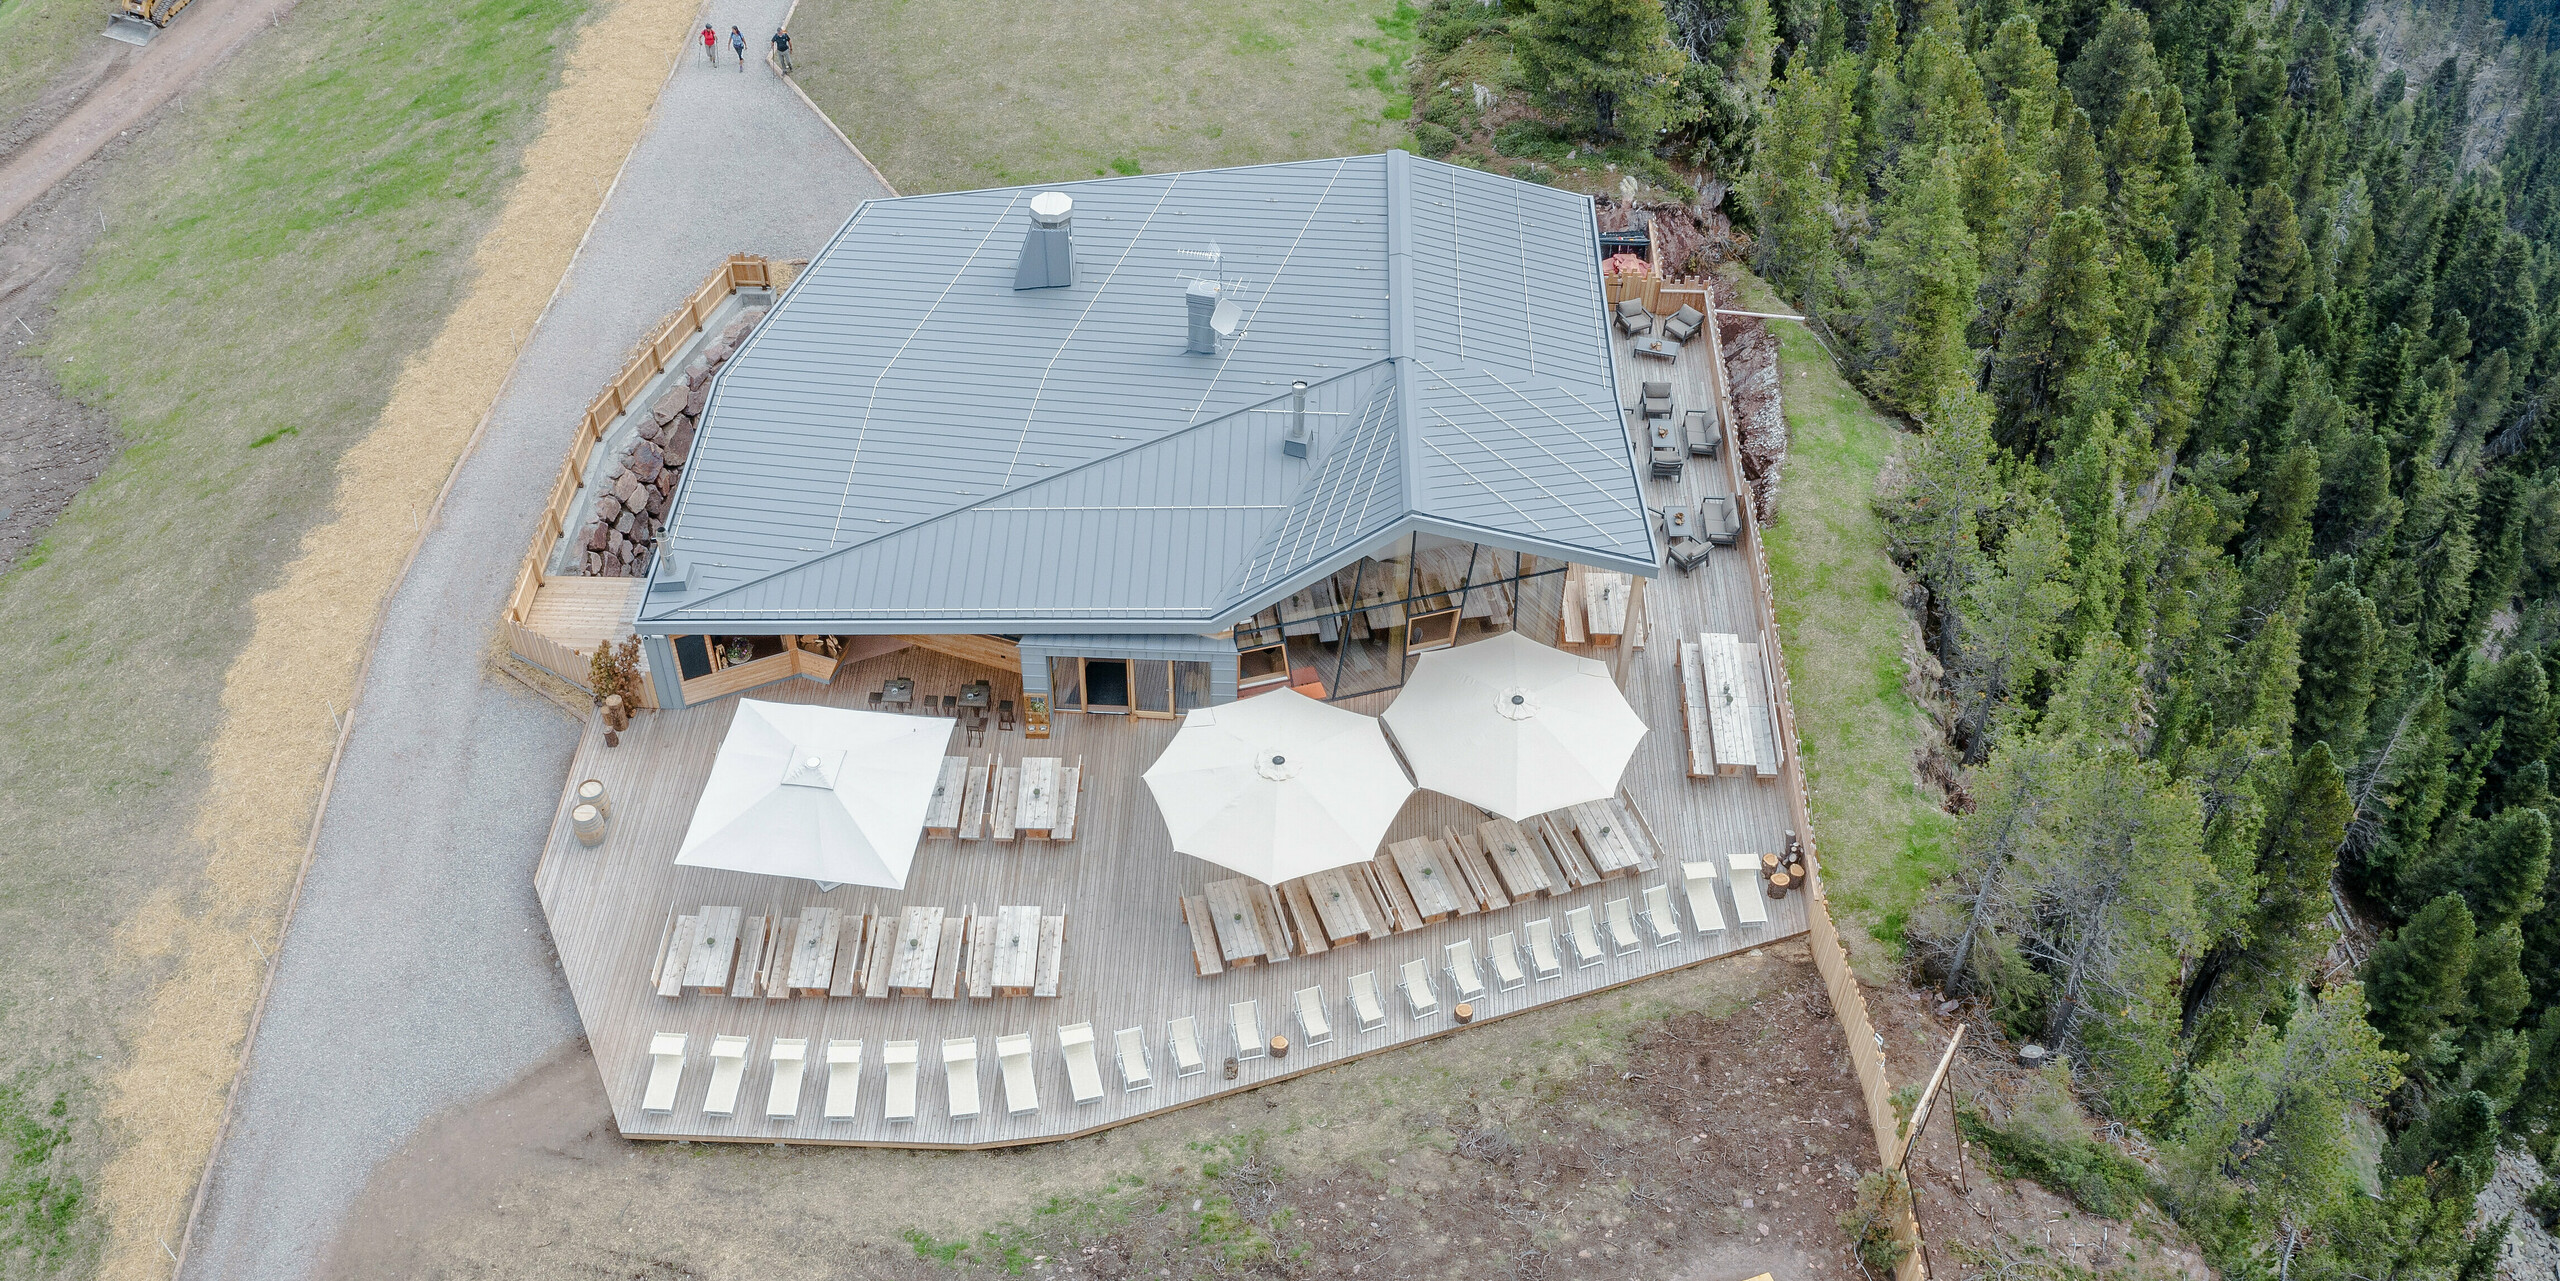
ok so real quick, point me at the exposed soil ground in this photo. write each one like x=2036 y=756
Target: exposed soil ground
x=1701 y=1125
x=51 y=447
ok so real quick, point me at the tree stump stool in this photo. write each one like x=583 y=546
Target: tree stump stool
x=1279 y=1047
x=1465 y=1012
x=1779 y=883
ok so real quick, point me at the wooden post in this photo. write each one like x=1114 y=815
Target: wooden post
x=616 y=717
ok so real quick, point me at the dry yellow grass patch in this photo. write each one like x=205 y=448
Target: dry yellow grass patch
x=313 y=627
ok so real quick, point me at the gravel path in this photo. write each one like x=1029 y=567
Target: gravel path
x=417 y=974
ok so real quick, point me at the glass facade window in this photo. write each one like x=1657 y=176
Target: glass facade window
x=1066 y=684
x=1355 y=630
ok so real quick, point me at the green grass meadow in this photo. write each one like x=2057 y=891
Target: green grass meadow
x=38 y=39
x=947 y=95
x=272 y=255
x=1882 y=836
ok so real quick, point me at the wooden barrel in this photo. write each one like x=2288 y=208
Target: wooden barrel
x=591 y=792
x=588 y=822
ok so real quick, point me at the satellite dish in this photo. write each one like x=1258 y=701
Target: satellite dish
x=1224 y=317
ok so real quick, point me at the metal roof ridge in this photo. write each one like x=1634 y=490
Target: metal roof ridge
x=990 y=503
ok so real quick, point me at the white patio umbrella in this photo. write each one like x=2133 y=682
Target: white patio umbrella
x=828 y=794
x=1514 y=727
x=1278 y=786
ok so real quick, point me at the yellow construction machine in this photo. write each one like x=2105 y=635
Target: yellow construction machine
x=136 y=21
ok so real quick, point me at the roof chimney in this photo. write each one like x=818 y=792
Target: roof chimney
x=1049 y=248
x=1296 y=443
x=1201 y=300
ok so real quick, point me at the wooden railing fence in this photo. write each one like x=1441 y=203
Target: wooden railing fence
x=621 y=396
x=1830 y=958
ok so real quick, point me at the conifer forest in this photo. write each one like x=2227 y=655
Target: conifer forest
x=2226 y=333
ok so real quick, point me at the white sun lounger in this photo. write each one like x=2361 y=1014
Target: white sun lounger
x=960 y=1076
x=1021 y=1094
x=1462 y=971
x=1135 y=1074
x=1622 y=927
x=790 y=1063
x=1183 y=1035
x=1244 y=1018
x=1505 y=955
x=1365 y=1010
x=1749 y=907
x=728 y=1067
x=1084 y=1075
x=1586 y=941
x=1418 y=995
x=1312 y=1024
x=899 y=1102
x=666 y=1071
x=1659 y=916
x=1704 y=915
x=1542 y=948
x=844 y=1078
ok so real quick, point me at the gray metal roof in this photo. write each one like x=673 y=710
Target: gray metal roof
x=909 y=444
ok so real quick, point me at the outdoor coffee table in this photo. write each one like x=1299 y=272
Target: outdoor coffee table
x=976 y=694
x=1658 y=347
x=900 y=692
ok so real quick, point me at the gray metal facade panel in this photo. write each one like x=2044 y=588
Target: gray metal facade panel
x=909 y=438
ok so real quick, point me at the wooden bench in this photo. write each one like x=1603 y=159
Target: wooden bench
x=1762 y=701
x=947 y=957
x=1650 y=852
x=1693 y=711
x=919 y=937
x=1304 y=920
x=1070 y=784
x=1481 y=882
x=1570 y=859
x=1053 y=956
x=1373 y=901
x=850 y=940
x=1204 y=937
x=674 y=953
x=979 y=975
x=1571 y=629
x=750 y=958
x=973 y=801
x=1000 y=810
x=880 y=956
x=773 y=981
x=942 y=813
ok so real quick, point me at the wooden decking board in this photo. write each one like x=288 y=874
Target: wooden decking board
x=1119 y=885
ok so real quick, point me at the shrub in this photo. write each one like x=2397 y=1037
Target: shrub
x=2096 y=1178
x=1532 y=140
x=615 y=669
x=1882 y=1197
x=1433 y=140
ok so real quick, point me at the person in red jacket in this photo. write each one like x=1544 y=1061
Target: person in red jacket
x=710 y=44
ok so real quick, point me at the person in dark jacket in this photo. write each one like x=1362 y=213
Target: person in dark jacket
x=782 y=49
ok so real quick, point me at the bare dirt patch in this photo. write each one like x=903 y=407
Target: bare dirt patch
x=51 y=446
x=1704 y=1124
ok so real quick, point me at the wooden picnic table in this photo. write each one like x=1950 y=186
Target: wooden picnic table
x=899 y=691
x=1727 y=688
x=1036 y=796
x=919 y=938
x=1428 y=876
x=1605 y=593
x=976 y=693
x=1231 y=913
x=1605 y=836
x=942 y=814
x=1338 y=906
x=1514 y=860
x=1017 y=947
x=715 y=949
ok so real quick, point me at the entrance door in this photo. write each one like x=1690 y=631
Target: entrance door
x=1152 y=679
x=1106 y=686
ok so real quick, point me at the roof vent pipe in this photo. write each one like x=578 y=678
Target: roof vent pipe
x=1299 y=440
x=1049 y=249
x=1201 y=300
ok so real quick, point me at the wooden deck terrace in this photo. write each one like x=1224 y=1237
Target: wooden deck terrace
x=1127 y=958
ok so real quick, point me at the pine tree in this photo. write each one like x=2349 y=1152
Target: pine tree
x=2455 y=1148
x=2011 y=620
x=2496 y=987
x=1923 y=262
x=2243 y=977
x=1610 y=64
x=2272 y=262
x=2341 y=647
x=2413 y=982
x=2269 y=1120
x=2058 y=332
x=1791 y=188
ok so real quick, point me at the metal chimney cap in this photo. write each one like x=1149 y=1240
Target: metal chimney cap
x=1204 y=289
x=1052 y=208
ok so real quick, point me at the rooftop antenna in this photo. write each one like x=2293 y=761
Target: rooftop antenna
x=1227 y=314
